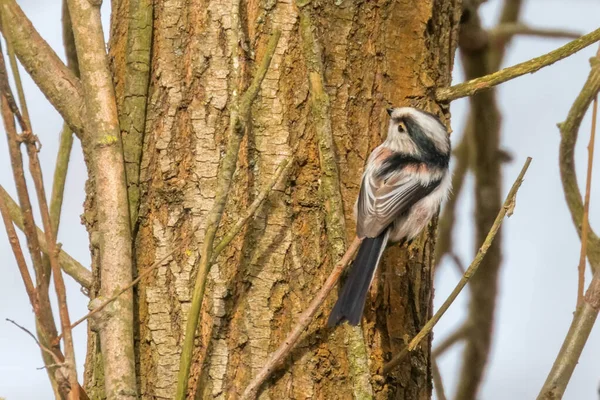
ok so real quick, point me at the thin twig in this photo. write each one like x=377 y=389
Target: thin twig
x=16 y=248
x=225 y=177
x=119 y=292
x=36 y=173
x=586 y=206
x=535 y=64
x=303 y=320
x=72 y=267
x=282 y=170
x=57 y=360
x=504 y=31
x=508 y=204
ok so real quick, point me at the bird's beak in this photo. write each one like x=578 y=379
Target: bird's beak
x=390 y=111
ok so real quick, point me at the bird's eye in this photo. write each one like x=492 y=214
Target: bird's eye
x=401 y=127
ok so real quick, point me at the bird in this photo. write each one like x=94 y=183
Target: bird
x=405 y=180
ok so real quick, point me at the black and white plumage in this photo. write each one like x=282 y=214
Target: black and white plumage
x=405 y=180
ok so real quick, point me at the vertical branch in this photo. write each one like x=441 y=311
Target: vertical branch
x=586 y=205
x=66 y=134
x=44 y=318
x=132 y=114
x=484 y=142
x=330 y=189
x=238 y=125
x=113 y=223
x=36 y=173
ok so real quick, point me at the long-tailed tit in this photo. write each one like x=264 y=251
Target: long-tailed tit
x=405 y=180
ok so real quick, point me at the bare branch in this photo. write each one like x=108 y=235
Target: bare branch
x=239 y=119
x=504 y=31
x=72 y=267
x=16 y=248
x=444 y=243
x=118 y=293
x=458 y=335
x=438 y=384
x=58 y=84
x=586 y=206
x=66 y=134
x=569 y=132
x=113 y=224
x=510 y=199
x=587 y=310
x=535 y=64
x=305 y=318
x=282 y=170
x=57 y=360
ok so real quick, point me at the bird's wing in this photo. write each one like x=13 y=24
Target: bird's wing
x=383 y=199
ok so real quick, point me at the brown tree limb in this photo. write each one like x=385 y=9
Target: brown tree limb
x=106 y=166
x=72 y=267
x=486 y=164
x=303 y=320
x=438 y=384
x=239 y=120
x=444 y=243
x=458 y=335
x=476 y=85
x=506 y=208
x=54 y=79
x=569 y=131
x=506 y=30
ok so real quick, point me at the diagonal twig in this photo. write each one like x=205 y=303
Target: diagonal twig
x=535 y=64
x=508 y=204
x=72 y=267
x=303 y=320
x=507 y=30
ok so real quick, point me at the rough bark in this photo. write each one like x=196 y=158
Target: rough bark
x=263 y=280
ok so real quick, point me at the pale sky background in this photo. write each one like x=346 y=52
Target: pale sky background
x=541 y=249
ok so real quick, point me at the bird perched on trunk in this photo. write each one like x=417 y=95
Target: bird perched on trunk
x=405 y=180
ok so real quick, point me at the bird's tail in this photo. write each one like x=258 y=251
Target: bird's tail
x=351 y=302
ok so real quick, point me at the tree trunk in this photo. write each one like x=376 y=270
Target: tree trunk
x=373 y=55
